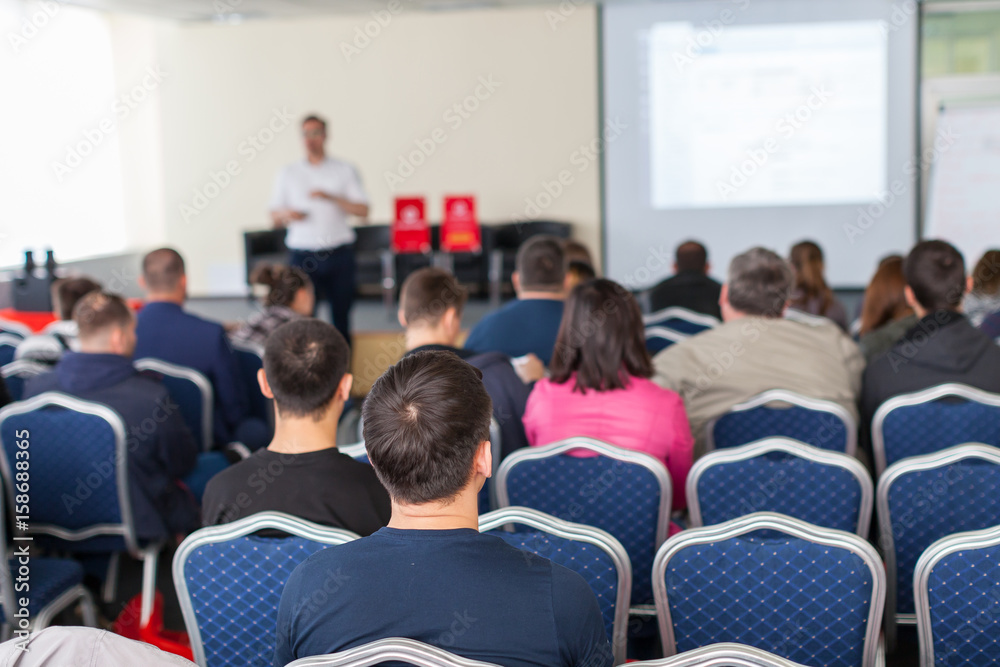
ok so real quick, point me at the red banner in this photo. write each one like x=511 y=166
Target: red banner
x=410 y=231
x=460 y=230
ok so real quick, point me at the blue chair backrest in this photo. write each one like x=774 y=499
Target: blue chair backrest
x=727 y=654
x=922 y=499
x=821 y=487
x=17 y=372
x=229 y=583
x=250 y=360
x=957 y=582
x=808 y=594
x=193 y=393
x=8 y=346
x=933 y=419
x=594 y=554
x=681 y=320
x=15 y=329
x=818 y=423
x=660 y=338
x=622 y=492
x=78 y=466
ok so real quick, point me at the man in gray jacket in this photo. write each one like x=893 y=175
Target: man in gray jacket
x=756 y=349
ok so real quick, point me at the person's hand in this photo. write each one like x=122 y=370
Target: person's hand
x=284 y=218
x=319 y=194
x=529 y=368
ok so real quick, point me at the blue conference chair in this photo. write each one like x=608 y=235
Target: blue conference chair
x=80 y=492
x=924 y=498
x=681 y=320
x=356 y=451
x=405 y=651
x=229 y=583
x=660 y=338
x=250 y=358
x=824 y=488
x=594 y=554
x=956 y=584
x=933 y=419
x=623 y=492
x=808 y=594
x=17 y=372
x=193 y=393
x=8 y=346
x=727 y=654
x=777 y=412
x=15 y=329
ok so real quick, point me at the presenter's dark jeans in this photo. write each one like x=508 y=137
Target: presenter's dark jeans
x=332 y=273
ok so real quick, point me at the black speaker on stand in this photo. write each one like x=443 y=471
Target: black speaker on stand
x=32 y=290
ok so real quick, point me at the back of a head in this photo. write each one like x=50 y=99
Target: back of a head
x=691 y=256
x=759 y=283
x=304 y=361
x=935 y=271
x=283 y=282
x=600 y=338
x=807 y=261
x=986 y=275
x=97 y=312
x=424 y=420
x=162 y=269
x=68 y=291
x=541 y=264
x=574 y=251
x=885 y=300
x=427 y=294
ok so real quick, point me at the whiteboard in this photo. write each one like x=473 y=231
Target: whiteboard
x=963 y=205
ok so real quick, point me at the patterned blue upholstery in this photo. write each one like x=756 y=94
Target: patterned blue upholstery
x=822 y=494
x=930 y=427
x=234 y=589
x=813 y=427
x=678 y=324
x=800 y=600
x=619 y=497
x=188 y=397
x=589 y=560
x=73 y=470
x=926 y=505
x=964 y=593
x=15 y=385
x=656 y=344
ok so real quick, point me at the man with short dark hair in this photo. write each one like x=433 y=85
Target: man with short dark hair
x=755 y=349
x=301 y=472
x=430 y=575
x=60 y=336
x=690 y=287
x=102 y=372
x=166 y=331
x=943 y=346
x=529 y=323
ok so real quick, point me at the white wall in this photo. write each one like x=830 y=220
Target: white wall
x=224 y=83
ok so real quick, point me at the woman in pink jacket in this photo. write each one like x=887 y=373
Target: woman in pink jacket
x=600 y=387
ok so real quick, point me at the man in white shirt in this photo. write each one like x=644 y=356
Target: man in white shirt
x=313 y=199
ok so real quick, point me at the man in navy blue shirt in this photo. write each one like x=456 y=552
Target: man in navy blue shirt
x=430 y=575
x=531 y=322
x=165 y=331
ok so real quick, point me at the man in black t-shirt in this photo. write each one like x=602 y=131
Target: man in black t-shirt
x=301 y=472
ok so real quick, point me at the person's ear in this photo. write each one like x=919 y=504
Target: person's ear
x=567 y=283
x=116 y=340
x=344 y=388
x=183 y=283
x=142 y=283
x=911 y=298
x=515 y=280
x=265 y=388
x=724 y=295
x=484 y=459
x=401 y=317
x=968 y=284
x=675 y=267
x=708 y=268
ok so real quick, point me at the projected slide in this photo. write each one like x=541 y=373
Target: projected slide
x=766 y=115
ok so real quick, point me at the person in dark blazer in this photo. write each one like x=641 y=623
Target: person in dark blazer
x=690 y=287
x=165 y=331
x=102 y=372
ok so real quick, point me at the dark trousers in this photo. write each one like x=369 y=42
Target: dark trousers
x=332 y=273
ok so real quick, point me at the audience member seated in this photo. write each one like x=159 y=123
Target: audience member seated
x=430 y=575
x=102 y=372
x=600 y=384
x=165 y=331
x=885 y=314
x=579 y=263
x=756 y=349
x=991 y=326
x=63 y=646
x=301 y=472
x=690 y=287
x=60 y=336
x=943 y=346
x=431 y=302
x=984 y=298
x=289 y=297
x=811 y=294
x=530 y=322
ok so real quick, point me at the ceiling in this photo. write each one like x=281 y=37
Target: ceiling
x=235 y=11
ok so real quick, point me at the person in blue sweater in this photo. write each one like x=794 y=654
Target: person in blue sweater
x=165 y=331
x=430 y=575
x=102 y=372
x=529 y=323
